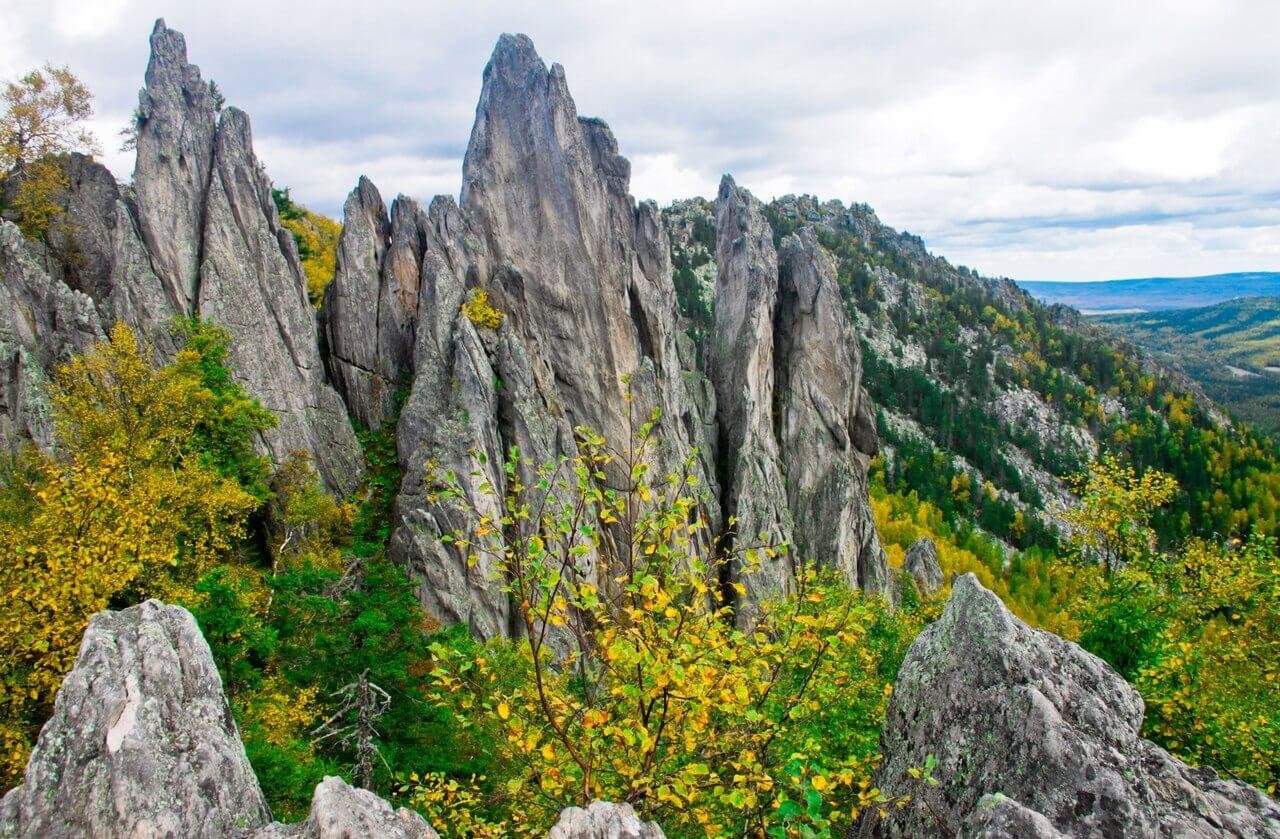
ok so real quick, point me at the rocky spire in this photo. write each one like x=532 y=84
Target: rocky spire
x=251 y=282
x=177 y=118
x=350 y=311
x=581 y=271
x=740 y=361
x=582 y=276
x=796 y=432
x=823 y=418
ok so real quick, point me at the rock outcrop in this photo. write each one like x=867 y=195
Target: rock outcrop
x=796 y=428
x=1034 y=735
x=922 y=564
x=96 y=247
x=371 y=307
x=602 y=820
x=198 y=234
x=825 y=424
x=142 y=743
x=251 y=282
x=740 y=363
x=582 y=277
x=42 y=323
x=341 y=811
x=177 y=121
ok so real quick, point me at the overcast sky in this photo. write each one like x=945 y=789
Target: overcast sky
x=1033 y=139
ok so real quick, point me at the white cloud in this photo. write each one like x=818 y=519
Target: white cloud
x=1042 y=140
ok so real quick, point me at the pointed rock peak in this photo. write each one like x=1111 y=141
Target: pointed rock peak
x=514 y=54
x=167 y=44
x=168 y=66
x=728 y=187
x=975 y=611
x=366 y=192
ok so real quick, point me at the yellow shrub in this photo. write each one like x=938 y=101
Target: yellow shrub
x=480 y=311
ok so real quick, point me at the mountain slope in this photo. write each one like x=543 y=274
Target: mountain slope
x=1232 y=349
x=989 y=400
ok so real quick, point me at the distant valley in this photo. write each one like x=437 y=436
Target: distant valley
x=1232 y=349
x=1152 y=294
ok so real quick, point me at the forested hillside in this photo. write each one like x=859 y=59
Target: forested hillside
x=1232 y=349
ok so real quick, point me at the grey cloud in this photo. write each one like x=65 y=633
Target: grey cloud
x=1064 y=140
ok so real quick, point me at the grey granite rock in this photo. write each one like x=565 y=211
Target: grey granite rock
x=603 y=820
x=350 y=312
x=341 y=811
x=141 y=741
x=741 y=366
x=817 y=407
x=922 y=564
x=42 y=323
x=96 y=248
x=582 y=276
x=177 y=118
x=251 y=282
x=1008 y=709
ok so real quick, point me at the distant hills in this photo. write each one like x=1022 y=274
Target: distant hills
x=1232 y=348
x=1152 y=294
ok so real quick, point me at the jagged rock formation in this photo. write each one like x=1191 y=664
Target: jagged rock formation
x=740 y=362
x=251 y=282
x=96 y=247
x=1010 y=710
x=786 y=365
x=142 y=743
x=177 y=123
x=582 y=276
x=197 y=235
x=370 y=308
x=826 y=428
x=922 y=564
x=602 y=820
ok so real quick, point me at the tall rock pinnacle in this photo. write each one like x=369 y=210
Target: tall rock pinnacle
x=206 y=214
x=787 y=369
x=177 y=120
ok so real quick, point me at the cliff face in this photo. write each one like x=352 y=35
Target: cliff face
x=580 y=272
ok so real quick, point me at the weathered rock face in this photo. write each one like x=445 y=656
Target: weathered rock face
x=177 y=118
x=252 y=283
x=371 y=307
x=141 y=742
x=96 y=248
x=202 y=238
x=740 y=362
x=602 y=820
x=350 y=313
x=1010 y=710
x=581 y=272
x=823 y=418
x=583 y=279
x=42 y=323
x=795 y=426
x=922 y=564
